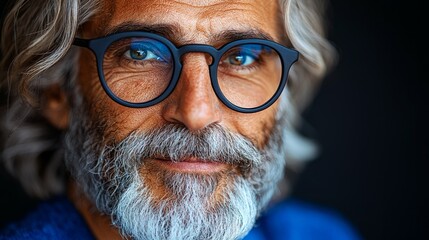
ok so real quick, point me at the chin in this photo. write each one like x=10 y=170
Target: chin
x=167 y=204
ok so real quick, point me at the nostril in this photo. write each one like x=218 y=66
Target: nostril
x=193 y=101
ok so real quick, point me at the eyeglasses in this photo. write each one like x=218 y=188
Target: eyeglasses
x=141 y=69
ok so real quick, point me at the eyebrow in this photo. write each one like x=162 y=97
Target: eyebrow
x=232 y=35
x=175 y=34
x=166 y=30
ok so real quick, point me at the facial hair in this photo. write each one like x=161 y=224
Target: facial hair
x=110 y=176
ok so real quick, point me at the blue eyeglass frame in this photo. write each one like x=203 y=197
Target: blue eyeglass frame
x=99 y=46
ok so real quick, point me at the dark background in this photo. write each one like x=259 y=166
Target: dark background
x=370 y=118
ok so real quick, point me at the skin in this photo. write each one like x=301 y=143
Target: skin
x=193 y=103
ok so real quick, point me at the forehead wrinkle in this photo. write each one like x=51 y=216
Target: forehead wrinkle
x=209 y=20
x=208 y=25
x=198 y=4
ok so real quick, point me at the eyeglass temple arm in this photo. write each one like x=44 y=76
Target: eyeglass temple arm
x=81 y=42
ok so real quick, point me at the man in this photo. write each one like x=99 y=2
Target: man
x=169 y=116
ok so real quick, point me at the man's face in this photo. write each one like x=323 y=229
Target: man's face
x=193 y=103
x=190 y=147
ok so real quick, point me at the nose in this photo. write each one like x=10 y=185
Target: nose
x=193 y=102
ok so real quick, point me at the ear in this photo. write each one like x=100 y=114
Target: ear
x=55 y=107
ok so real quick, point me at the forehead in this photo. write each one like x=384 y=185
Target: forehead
x=192 y=20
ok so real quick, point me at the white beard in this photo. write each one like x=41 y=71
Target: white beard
x=190 y=216
x=191 y=211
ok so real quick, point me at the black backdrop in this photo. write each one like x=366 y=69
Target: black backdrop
x=369 y=117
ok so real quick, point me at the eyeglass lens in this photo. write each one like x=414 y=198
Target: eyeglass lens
x=139 y=70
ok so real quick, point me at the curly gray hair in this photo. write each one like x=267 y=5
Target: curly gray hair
x=37 y=54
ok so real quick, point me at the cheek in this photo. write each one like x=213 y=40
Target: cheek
x=114 y=120
x=89 y=83
x=256 y=126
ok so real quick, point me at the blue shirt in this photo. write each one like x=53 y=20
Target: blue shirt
x=288 y=220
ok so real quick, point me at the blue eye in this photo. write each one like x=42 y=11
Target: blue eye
x=141 y=52
x=138 y=54
x=240 y=59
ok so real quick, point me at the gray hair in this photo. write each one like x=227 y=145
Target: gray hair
x=36 y=46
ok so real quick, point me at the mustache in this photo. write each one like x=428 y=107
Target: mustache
x=176 y=143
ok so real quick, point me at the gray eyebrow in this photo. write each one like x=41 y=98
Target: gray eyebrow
x=166 y=30
x=231 y=35
x=175 y=33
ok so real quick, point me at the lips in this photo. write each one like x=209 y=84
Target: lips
x=191 y=165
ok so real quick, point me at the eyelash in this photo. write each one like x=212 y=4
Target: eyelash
x=123 y=48
x=120 y=52
x=255 y=65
